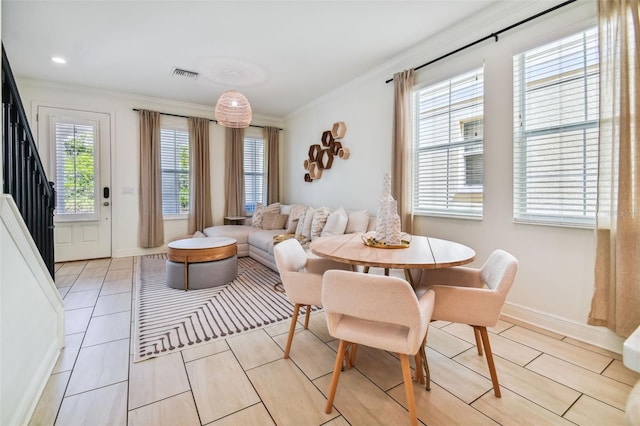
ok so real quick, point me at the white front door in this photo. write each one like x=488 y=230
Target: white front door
x=75 y=150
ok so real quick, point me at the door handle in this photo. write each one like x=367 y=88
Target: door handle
x=106 y=203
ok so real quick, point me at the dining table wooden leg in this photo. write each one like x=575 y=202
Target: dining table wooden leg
x=409 y=277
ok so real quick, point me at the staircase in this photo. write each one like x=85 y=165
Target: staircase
x=31 y=311
x=23 y=175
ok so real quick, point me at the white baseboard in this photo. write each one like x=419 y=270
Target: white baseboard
x=33 y=392
x=138 y=252
x=597 y=336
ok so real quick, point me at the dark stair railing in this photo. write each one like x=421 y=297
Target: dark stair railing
x=23 y=175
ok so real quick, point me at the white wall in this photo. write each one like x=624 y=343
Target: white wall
x=125 y=151
x=555 y=279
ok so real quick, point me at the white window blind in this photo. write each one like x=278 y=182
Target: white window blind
x=449 y=161
x=556 y=132
x=254 y=173
x=174 y=150
x=75 y=165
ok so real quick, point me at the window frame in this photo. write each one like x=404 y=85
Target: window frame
x=521 y=135
x=457 y=176
x=173 y=126
x=254 y=139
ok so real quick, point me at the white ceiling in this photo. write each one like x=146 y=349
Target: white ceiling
x=281 y=54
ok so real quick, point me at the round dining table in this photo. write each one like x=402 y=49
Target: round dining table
x=421 y=253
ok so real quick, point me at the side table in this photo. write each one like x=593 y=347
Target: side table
x=234 y=220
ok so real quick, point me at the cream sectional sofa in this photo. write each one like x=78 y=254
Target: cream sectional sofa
x=257 y=242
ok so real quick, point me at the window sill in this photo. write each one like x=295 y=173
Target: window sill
x=175 y=217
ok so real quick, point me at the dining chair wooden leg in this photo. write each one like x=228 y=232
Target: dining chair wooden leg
x=336 y=375
x=476 y=333
x=408 y=389
x=489 y=355
x=306 y=317
x=292 y=329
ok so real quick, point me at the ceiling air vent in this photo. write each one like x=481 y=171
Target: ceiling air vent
x=184 y=73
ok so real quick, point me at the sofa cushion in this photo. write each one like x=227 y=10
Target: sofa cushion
x=319 y=221
x=304 y=226
x=358 y=221
x=296 y=214
x=238 y=232
x=274 y=221
x=260 y=211
x=285 y=208
x=292 y=227
x=264 y=239
x=336 y=223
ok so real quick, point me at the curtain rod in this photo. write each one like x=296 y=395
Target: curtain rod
x=492 y=35
x=210 y=119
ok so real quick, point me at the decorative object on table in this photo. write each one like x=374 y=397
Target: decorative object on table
x=321 y=155
x=233 y=110
x=370 y=240
x=283 y=237
x=387 y=219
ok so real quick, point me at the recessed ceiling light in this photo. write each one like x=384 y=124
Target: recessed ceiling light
x=59 y=60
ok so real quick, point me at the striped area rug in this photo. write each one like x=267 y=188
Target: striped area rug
x=169 y=320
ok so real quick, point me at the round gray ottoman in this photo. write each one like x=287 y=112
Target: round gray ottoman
x=196 y=263
x=204 y=274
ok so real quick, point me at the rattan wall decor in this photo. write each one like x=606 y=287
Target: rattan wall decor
x=321 y=155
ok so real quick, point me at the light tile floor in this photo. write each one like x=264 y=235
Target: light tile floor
x=546 y=378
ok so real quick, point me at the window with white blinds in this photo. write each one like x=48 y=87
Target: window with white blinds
x=174 y=158
x=75 y=165
x=556 y=132
x=254 y=173
x=449 y=161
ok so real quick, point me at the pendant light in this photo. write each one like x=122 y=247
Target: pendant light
x=233 y=110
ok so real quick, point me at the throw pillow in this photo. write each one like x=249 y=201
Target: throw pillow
x=261 y=210
x=319 y=220
x=293 y=226
x=295 y=214
x=304 y=226
x=274 y=220
x=256 y=219
x=358 y=221
x=336 y=223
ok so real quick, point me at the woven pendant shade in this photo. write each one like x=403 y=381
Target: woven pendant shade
x=233 y=110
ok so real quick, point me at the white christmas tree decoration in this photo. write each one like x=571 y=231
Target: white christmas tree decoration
x=387 y=218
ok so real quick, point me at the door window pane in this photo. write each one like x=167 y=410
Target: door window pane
x=75 y=168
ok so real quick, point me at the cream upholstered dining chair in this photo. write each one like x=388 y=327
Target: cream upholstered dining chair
x=302 y=279
x=377 y=311
x=473 y=296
